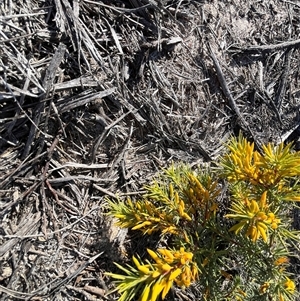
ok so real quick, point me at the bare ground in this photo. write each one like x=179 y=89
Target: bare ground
x=97 y=96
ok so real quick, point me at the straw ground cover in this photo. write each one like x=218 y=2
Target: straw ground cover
x=97 y=96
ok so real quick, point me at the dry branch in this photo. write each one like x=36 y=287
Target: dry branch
x=228 y=95
x=272 y=47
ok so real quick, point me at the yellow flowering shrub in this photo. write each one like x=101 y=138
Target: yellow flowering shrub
x=157 y=278
x=254 y=216
x=225 y=229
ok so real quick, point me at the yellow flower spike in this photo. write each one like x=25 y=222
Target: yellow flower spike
x=272 y=220
x=191 y=192
x=156 y=290
x=263 y=200
x=281 y=260
x=198 y=184
x=253 y=233
x=181 y=208
x=154 y=256
x=137 y=217
x=139 y=226
x=175 y=274
x=120 y=216
x=254 y=208
x=195 y=272
x=179 y=282
x=166 y=267
x=234 y=159
x=154 y=219
x=268 y=150
x=186 y=276
x=144 y=269
x=247 y=202
x=289 y=285
x=182 y=204
x=186 y=281
x=129 y=202
x=262 y=224
x=261 y=216
x=145 y=293
x=271 y=216
x=295 y=198
x=155 y=274
x=177 y=201
x=182 y=261
x=239 y=161
x=256 y=157
x=167 y=255
x=250 y=149
x=149 y=207
x=247 y=166
x=170 y=229
x=264 y=287
x=185 y=257
x=186 y=216
x=167 y=286
x=262 y=229
x=189 y=256
x=136 y=262
x=274 y=226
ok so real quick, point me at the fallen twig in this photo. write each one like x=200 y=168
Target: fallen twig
x=271 y=47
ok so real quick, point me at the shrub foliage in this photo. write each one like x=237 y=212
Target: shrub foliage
x=228 y=228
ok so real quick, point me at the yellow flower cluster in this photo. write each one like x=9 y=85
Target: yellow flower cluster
x=184 y=203
x=170 y=266
x=203 y=197
x=289 y=287
x=146 y=216
x=181 y=207
x=243 y=163
x=264 y=287
x=163 y=213
x=281 y=260
x=254 y=216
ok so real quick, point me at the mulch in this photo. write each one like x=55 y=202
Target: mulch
x=97 y=96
